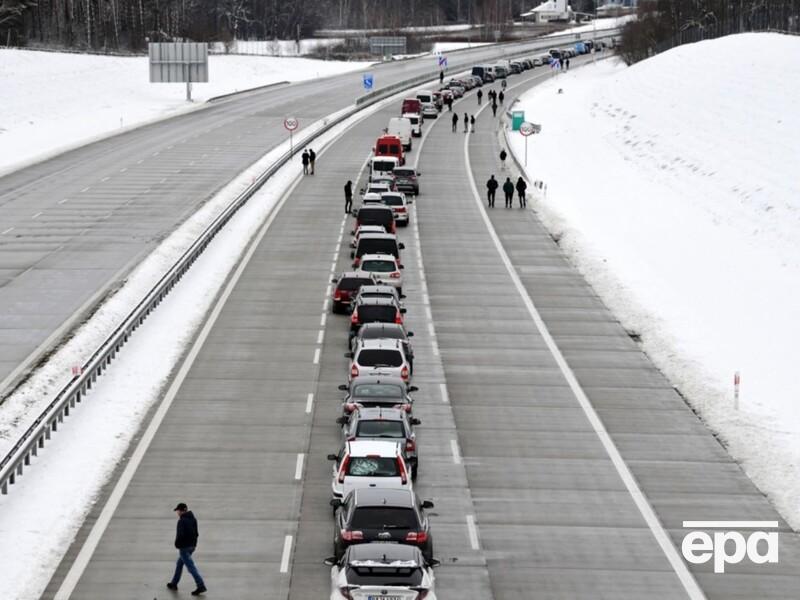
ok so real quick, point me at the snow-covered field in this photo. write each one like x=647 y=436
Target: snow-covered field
x=53 y=101
x=275 y=47
x=674 y=184
x=605 y=23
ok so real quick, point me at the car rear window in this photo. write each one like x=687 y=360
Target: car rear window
x=376 y=313
x=392 y=200
x=381 y=429
x=383 y=165
x=372 y=466
x=384 y=576
x=403 y=172
x=374 y=333
x=378 y=390
x=379 y=266
x=377 y=246
x=380 y=358
x=349 y=284
x=375 y=216
x=375 y=517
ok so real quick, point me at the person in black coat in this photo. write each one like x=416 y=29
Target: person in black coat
x=455 y=122
x=312 y=157
x=508 y=190
x=480 y=96
x=501 y=96
x=521 y=187
x=348 y=196
x=503 y=156
x=494 y=108
x=491 y=188
x=466 y=122
x=472 y=122
x=305 y=158
x=186 y=542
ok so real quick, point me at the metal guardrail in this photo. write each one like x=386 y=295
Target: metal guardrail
x=13 y=465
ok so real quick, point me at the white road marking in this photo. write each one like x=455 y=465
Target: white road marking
x=86 y=189
x=333 y=267
x=456 y=452
x=104 y=179
x=320 y=336
x=662 y=538
x=63 y=200
x=324 y=316
x=425 y=298
x=428 y=313
x=138 y=162
x=431 y=330
x=336 y=254
x=472 y=530
x=328 y=291
x=287 y=551
x=443 y=392
x=123 y=169
x=170 y=147
x=435 y=347
x=37 y=215
x=9 y=230
x=325 y=305
x=309 y=403
x=730 y=524
x=163 y=179
x=316 y=356
x=155 y=154
x=298 y=468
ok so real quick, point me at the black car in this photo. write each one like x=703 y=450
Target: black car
x=394 y=331
x=377 y=390
x=376 y=214
x=346 y=286
x=376 y=243
x=381 y=515
x=375 y=310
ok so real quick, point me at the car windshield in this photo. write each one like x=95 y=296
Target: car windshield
x=349 y=284
x=381 y=429
x=384 y=576
x=372 y=466
x=403 y=172
x=377 y=246
x=392 y=200
x=378 y=517
x=374 y=333
x=376 y=313
x=380 y=358
x=378 y=266
x=383 y=165
x=378 y=390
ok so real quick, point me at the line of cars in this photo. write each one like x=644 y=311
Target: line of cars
x=382 y=539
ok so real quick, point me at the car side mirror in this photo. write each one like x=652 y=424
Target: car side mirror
x=402 y=296
x=425 y=504
x=410 y=333
x=413 y=388
x=401 y=266
x=410 y=201
x=418 y=173
x=342 y=420
x=331 y=561
x=402 y=246
x=353 y=254
x=343 y=387
x=362 y=190
x=333 y=457
x=416 y=421
x=402 y=311
x=348 y=355
x=333 y=279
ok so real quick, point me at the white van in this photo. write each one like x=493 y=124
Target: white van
x=416 y=123
x=382 y=166
x=401 y=127
x=425 y=96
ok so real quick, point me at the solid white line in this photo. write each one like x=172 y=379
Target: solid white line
x=325 y=304
x=316 y=356
x=9 y=230
x=298 y=468
x=309 y=403
x=662 y=538
x=336 y=254
x=63 y=200
x=320 y=336
x=472 y=530
x=333 y=267
x=86 y=189
x=425 y=298
x=287 y=550
x=328 y=291
x=104 y=179
x=730 y=524
x=435 y=347
x=443 y=391
x=456 y=452
x=431 y=330
x=428 y=313
x=123 y=169
x=37 y=215
x=324 y=317
x=98 y=529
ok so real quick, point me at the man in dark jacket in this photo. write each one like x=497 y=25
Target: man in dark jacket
x=491 y=188
x=480 y=96
x=508 y=190
x=521 y=187
x=312 y=157
x=503 y=156
x=455 y=121
x=494 y=109
x=466 y=123
x=304 y=157
x=186 y=541
x=348 y=196
x=501 y=96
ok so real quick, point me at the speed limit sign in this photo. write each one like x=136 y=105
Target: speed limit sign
x=290 y=123
x=526 y=128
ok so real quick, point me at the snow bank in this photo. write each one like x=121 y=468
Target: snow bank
x=674 y=183
x=53 y=101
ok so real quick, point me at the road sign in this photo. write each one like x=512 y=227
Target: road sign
x=291 y=123
x=555 y=64
x=178 y=62
x=368 y=81
x=442 y=61
x=527 y=128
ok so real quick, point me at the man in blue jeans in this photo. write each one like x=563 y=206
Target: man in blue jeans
x=186 y=542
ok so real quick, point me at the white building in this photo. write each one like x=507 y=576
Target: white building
x=549 y=10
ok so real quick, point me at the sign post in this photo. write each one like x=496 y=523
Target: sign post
x=291 y=123
x=527 y=129
x=736 y=381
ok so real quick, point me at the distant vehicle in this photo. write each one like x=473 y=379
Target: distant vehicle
x=365 y=229
x=384 y=423
x=394 y=514
x=377 y=391
x=416 y=123
x=515 y=67
x=425 y=97
x=378 y=291
x=374 y=310
x=500 y=72
x=438 y=100
x=376 y=214
x=405 y=179
x=546 y=59
x=400 y=127
x=555 y=53
x=390 y=145
x=483 y=71
x=345 y=287
x=362 y=464
x=376 y=243
x=379 y=570
x=411 y=105
x=378 y=187
x=382 y=166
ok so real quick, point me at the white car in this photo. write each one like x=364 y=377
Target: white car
x=430 y=110
x=416 y=123
x=379 y=356
x=386 y=268
x=377 y=187
x=399 y=205
x=366 y=229
x=369 y=463
x=382 y=570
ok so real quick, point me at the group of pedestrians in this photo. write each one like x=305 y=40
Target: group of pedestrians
x=469 y=122
x=309 y=157
x=508 y=191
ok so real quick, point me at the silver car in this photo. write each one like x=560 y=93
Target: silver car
x=385 y=267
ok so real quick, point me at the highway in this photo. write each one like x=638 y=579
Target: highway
x=561 y=462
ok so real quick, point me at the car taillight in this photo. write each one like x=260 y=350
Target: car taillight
x=401 y=209
x=356 y=261
x=343 y=468
x=395 y=275
x=345 y=592
x=398 y=318
x=417 y=537
x=354 y=371
x=420 y=596
x=411 y=445
x=405 y=407
x=337 y=295
x=401 y=468
x=352 y=536
x=354 y=317
x=404 y=374
x=350 y=407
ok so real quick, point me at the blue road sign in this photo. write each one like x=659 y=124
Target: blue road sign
x=442 y=61
x=367 y=81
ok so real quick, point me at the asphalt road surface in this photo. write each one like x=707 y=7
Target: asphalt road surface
x=514 y=355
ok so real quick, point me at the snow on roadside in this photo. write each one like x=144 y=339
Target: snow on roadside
x=53 y=101
x=673 y=184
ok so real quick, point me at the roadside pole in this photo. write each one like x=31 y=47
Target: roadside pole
x=291 y=123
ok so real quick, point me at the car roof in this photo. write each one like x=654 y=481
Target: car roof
x=392 y=193
x=375 y=207
x=355 y=275
x=383 y=327
x=378 y=289
x=384 y=552
x=378 y=256
x=381 y=449
x=383 y=496
x=379 y=344
x=377 y=235
x=379 y=413
x=377 y=301
x=377 y=379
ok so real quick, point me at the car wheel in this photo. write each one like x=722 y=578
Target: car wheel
x=336 y=307
x=428 y=551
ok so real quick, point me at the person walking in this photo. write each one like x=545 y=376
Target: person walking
x=480 y=96
x=567 y=63
x=494 y=108
x=186 y=542
x=466 y=123
x=501 y=96
x=491 y=95
x=305 y=159
x=450 y=103
x=441 y=77
x=491 y=188
x=455 y=121
x=472 y=122
x=348 y=196
x=503 y=156
x=312 y=157
x=508 y=190
x=521 y=187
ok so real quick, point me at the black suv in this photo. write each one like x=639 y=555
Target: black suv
x=376 y=515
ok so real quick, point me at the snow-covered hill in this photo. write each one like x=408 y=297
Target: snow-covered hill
x=52 y=101
x=675 y=184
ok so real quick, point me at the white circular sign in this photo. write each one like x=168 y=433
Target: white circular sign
x=526 y=128
x=290 y=123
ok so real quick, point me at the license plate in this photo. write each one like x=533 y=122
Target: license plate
x=384 y=597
